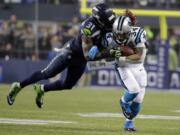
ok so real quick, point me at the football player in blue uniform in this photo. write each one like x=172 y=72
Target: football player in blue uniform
x=72 y=57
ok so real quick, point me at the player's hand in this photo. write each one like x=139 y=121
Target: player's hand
x=115 y=52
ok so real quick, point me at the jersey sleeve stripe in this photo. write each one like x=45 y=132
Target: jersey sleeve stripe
x=96 y=33
x=137 y=34
x=138 y=37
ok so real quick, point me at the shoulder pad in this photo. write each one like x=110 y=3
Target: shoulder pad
x=138 y=35
x=88 y=28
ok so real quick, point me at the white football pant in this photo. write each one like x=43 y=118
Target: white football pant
x=134 y=80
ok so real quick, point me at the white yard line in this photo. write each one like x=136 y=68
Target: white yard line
x=117 y=115
x=178 y=111
x=86 y=115
x=33 y=122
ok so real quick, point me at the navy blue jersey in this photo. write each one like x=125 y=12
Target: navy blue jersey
x=88 y=28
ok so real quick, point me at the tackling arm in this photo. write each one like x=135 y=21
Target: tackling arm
x=86 y=45
x=90 y=51
x=107 y=53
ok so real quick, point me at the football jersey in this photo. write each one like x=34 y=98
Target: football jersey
x=136 y=39
x=88 y=28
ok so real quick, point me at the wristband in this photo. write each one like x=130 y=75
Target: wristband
x=122 y=59
x=93 y=52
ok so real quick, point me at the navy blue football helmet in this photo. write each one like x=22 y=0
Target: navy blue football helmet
x=104 y=16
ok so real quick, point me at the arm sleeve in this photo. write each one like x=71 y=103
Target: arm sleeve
x=142 y=39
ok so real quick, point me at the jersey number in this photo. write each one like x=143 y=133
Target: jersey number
x=90 y=26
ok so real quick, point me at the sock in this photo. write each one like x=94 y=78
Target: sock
x=42 y=87
x=128 y=124
x=135 y=107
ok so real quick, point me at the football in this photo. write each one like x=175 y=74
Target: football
x=126 y=50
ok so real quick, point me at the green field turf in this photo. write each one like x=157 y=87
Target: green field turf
x=67 y=105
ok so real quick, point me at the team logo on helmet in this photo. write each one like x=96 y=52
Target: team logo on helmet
x=103 y=15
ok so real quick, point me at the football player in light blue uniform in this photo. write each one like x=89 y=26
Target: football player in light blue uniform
x=130 y=69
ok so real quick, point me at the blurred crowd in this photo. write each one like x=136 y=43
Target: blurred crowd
x=55 y=2
x=159 y=4
x=153 y=37
x=20 y=39
x=33 y=41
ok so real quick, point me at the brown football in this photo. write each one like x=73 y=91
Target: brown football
x=126 y=50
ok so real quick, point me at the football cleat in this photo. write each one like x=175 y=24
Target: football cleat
x=129 y=126
x=14 y=90
x=126 y=109
x=130 y=129
x=40 y=95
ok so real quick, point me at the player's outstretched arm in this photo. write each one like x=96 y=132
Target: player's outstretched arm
x=106 y=53
x=91 y=52
x=86 y=45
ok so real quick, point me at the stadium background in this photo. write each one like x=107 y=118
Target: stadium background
x=30 y=30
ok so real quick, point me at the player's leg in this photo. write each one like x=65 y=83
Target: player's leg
x=141 y=77
x=135 y=107
x=132 y=88
x=59 y=63
x=129 y=125
x=136 y=104
x=125 y=103
x=74 y=72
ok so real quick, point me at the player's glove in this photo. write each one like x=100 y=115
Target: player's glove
x=115 y=52
x=111 y=53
